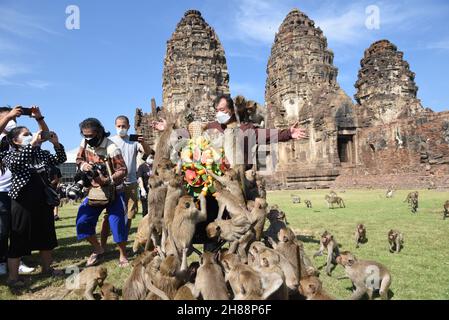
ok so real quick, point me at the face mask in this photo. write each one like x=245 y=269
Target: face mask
x=93 y=142
x=223 y=118
x=150 y=161
x=122 y=132
x=26 y=140
x=11 y=125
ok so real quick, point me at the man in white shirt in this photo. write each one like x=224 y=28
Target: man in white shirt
x=129 y=150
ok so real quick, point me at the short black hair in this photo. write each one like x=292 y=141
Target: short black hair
x=228 y=99
x=94 y=124
x=122 y=118
x=5 y=109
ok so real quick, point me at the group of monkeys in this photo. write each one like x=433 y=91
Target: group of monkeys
x=255 y=264
x=258 y=264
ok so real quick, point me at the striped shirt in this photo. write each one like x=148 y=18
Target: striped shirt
x=107 y=149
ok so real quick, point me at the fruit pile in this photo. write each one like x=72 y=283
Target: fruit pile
x=199 y=157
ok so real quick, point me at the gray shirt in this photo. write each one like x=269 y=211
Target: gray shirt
x=129 y=152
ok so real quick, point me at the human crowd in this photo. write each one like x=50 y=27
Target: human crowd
x=107 y=168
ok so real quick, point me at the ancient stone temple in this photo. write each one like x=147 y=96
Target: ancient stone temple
x=386 y=139
x=195 y=69
x=400 y=144
x=302 y=86
x=386 y=88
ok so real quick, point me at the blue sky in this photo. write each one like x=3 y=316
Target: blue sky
x=113 y=64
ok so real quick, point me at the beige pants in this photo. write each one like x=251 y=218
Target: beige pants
x=131 y=199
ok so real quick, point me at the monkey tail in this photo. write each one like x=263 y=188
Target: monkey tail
x=161 y=294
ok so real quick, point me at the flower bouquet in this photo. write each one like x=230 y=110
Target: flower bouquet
x=197 y=158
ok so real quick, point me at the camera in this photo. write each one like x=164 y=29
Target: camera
x=27 y=111
x=46 y=135
x=72 y=191
x=134 y=137
x=97 y=168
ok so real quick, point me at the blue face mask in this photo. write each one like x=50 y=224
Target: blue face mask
x=223 y=118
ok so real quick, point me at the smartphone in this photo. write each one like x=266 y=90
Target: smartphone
x=46 y=135
x=27 y=112
x=134 y=137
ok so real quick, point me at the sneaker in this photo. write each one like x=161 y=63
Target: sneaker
x=23 y=268
x=3 y=269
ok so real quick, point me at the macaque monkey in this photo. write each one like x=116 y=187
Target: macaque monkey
x=165 y=275
x=334 y=200
x=175 y=190
x=135 y=287
x=360 y=235
x=296 y=199
x=182 y=229
x=258 y=216
x=411 y=195
x=269 y=268
x=231 y=181
x=395 y=240
x=251 y=189
x=311 y=287
x=109 y=292
x=156 y=203
x=328 y=242
x=238 y=232
x=414 y=205
x=446 y=210
x=149 y=228
x=288 y=247
x=277 y=222
x=185 y=292
x=163 y=145
x=226 y=200
x=262 y=187
x=210 y=282
x=366 y=276
x=389 y=193
x=88 y=280
x=273 y=257
x=308 y=204
x=247 y=283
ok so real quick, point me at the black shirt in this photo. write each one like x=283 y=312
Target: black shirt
x=144 y=172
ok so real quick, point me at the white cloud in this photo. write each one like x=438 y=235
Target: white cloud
x=20 y=24
x=443 y=45
x=257 y=21
x=38 y=84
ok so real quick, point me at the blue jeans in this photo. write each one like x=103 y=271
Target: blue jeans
x=87 y=219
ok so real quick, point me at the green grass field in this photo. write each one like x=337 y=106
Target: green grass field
x=420 y=271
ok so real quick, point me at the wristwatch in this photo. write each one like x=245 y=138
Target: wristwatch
x=40 y=118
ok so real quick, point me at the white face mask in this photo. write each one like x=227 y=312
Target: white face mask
x=223 y=118
x=26 y=140
x=150 y=161
x=122 y=132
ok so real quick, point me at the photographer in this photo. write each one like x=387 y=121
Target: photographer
x=95 y=153
x=129 y=150
x=8 y=118
x=143 y=175
x=32 y=222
